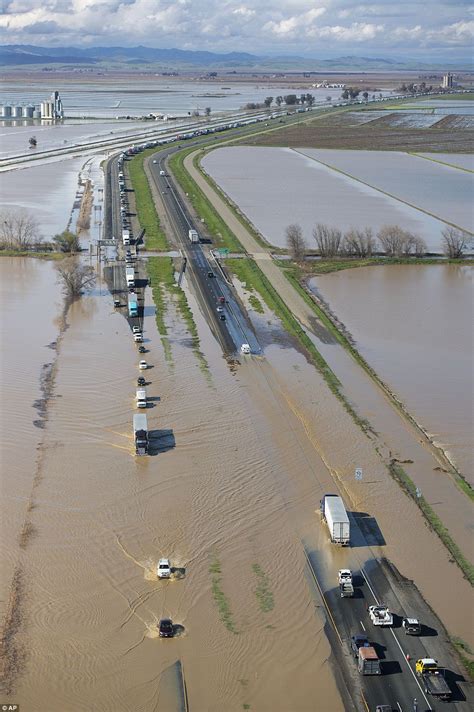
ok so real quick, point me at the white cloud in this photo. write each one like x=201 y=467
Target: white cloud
x=257 y=26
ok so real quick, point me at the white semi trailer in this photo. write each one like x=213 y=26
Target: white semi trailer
x=335 y=515
x=130 y=276
x=193 y=236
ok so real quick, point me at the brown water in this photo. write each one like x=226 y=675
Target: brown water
x=102 y=518
x=244 y=458
x=413 y=324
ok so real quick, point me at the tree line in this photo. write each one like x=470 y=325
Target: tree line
x=19 y=231
x=392 y=240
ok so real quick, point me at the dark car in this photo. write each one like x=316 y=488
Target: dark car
x=359 y=641
x=166 y=628
x=222 y=317
x=221 y=300
x=210 y=274
x=141 y=381
x=117 y=303
x=141 y=350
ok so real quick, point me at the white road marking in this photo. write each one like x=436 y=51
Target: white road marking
x=363 y=627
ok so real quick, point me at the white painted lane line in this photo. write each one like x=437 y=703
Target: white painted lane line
x=363 y=626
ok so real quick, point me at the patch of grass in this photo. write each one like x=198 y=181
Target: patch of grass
x=326 y=266
x=161 y=273
x=256 y=304
x=263 y=592
x=37 y=255
x=466 y=654
x=220 y=598
x=155 y=238
x=221 y=234
x=434 y=521
x=255 y=279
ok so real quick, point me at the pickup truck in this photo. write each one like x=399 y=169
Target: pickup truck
x=346 y=588
x=433 y=678
x=163 y=570
x=380 y=615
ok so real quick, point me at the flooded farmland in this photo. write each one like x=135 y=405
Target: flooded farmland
x=278 y=186
x=413 y=325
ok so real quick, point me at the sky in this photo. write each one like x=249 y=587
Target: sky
x=424 y=29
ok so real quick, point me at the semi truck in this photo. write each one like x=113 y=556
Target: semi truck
x=126 y=237
x=433 y=678
x=335 y=515
x=140 y=433
x=132 y=304
x=141 y=398
x=193 y=236
x=130 y=276
x=368 y=662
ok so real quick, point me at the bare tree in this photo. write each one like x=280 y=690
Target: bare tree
x=392 y=239
x=454 y=242
x=328 y=240
x=419 y=246
x=295 y=242
x=268 y=101
x=75 y=277
x=359 y=243
x=18 y=230
x=207 y=110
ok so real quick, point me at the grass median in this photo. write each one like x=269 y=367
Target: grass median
x=155 y=238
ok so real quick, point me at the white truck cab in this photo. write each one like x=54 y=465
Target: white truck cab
x=163 y=569
x=380 y=615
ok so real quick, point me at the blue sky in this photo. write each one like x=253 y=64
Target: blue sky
x=424 y=29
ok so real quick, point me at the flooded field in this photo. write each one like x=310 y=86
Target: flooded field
x=412 y=325
x=440 y=190
x=460 y=160
x=47 y=192
x=276 y=186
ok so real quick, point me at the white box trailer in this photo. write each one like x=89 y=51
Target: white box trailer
x=193 y=236
x=141 y=398
x=126 y=237
x=335 y=515
x=130 y=276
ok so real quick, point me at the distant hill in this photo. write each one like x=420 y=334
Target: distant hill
x=31 y=54
x=121 y=57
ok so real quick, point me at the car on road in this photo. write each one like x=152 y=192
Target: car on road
x=210 y=275
x=166 y=628
x=162 y=173
x=221 y=300
x=245 y=348
x=117 y=303
x=163 y=569
x=142 y=349
x=154 y=160
x=222 y=317
x=141 y=381
x=138 y=337
x=359 y=641
x=219 y=310
x=136 y=330
x=143 y=365
x=411 y=626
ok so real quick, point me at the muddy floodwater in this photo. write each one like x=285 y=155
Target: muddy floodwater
x=413 y=324
x=210 y=497
x=275 y=187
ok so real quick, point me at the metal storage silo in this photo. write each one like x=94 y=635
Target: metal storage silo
x=29 y=111
x=17 y=111
x=7 y=111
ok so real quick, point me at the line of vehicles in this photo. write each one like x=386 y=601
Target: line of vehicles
x=432 y=677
